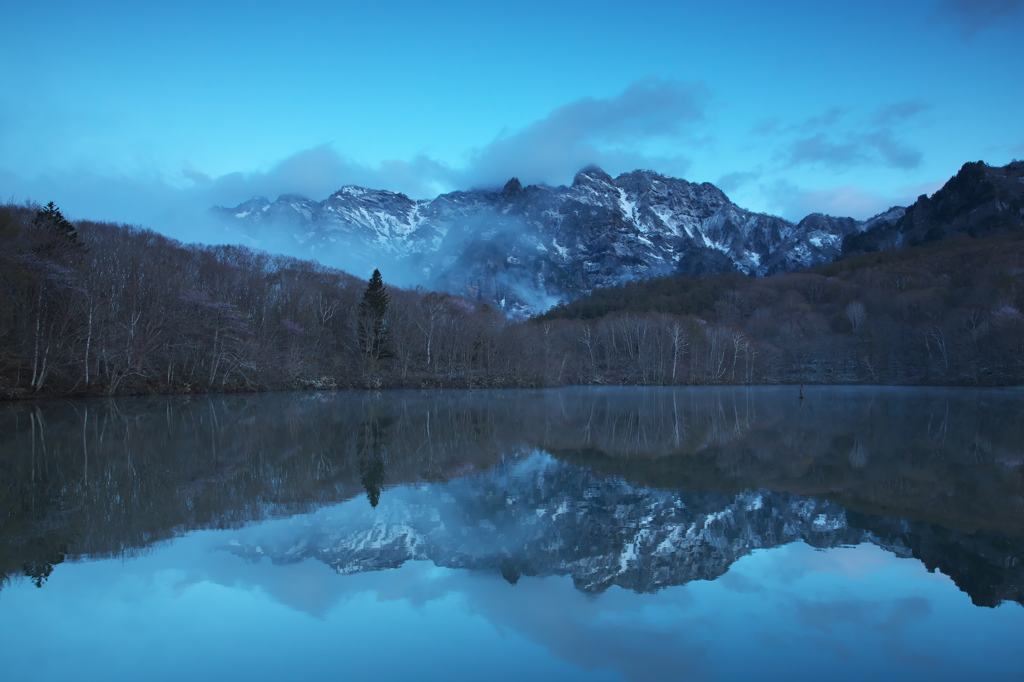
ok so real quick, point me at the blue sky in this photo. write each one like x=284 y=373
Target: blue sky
x=149 y=112
x=856 y=612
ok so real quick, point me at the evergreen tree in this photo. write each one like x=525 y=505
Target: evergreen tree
x=373 y=328
x=55 y=237
x=51 y=218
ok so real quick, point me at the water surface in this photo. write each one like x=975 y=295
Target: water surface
x=599 y=534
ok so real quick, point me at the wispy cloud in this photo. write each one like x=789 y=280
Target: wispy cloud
x=824 y=149
x=319 y=171
x=794 y=202
x=731 y=182
x=835 y=141
x=890 y=616
x=830 y=117
x=613 y=132
x=973 y=16
x=617 y=133
x=610 y=132
x=892 y=151
x=899 y=112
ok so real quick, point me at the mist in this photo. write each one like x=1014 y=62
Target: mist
x=619 y=133
x=609 y=132
x=180 y=207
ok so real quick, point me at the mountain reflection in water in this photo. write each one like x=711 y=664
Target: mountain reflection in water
x=640 y=488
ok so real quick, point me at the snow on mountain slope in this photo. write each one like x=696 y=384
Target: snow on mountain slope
x=542 y=517
x=531 y=246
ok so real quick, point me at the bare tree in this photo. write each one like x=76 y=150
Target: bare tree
x=856 y=314
x=679 y=343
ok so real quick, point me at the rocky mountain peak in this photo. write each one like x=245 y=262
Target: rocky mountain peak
x=591 y=175
x=512 y=190
x=253 y=207
x=980 y=201
x=525 y=247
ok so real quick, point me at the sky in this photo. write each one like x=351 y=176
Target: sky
x=852 y=613
x=149 y=113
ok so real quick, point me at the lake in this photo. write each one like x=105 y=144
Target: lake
x=570 y=534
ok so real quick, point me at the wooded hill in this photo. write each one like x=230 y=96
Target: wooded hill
x=944 y=313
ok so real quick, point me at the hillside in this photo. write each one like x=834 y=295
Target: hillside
x=947 y=312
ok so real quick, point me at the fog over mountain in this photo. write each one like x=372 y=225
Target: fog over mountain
x=524 y=248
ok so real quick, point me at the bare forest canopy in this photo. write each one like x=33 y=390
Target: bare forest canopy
x=936 y=471
x=102 y=309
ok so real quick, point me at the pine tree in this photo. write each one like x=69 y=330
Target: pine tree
x=52 y=219
x=373 y=328
x=54 y=237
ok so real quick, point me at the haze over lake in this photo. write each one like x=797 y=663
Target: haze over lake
x=582 y=533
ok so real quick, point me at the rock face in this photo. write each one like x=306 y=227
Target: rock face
x=524 y=248
x=979 y=201
x=543 y=517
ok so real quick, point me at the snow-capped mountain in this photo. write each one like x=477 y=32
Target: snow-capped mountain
x=542 y=517
x=525 y=247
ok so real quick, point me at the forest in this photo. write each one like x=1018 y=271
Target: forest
x=100 y=309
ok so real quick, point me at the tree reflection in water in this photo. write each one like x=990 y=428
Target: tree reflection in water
x=372 y=466
x=937 y=473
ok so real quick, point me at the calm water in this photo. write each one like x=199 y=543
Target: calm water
x=578 y=534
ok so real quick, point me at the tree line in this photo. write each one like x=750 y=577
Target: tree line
x=100 y=309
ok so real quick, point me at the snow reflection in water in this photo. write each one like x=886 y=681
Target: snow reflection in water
x=597 y=534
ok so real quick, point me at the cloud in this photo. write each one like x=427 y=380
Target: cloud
x=178 y=205
x=892 y=151
x=890 y=617
x=730 y=182
x=612 y=132
x=315 y=173
x=831 y=117
x=845 y=200
x=320 y=171
x=768 y=126
x=822 y=149
x=609 y=132
x=973 y=16
x=875 y=140
x=794 y=203
x=899 y=112
x=812 y=124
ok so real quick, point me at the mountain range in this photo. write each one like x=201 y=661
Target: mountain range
x=524 y=248
x=543 y=517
